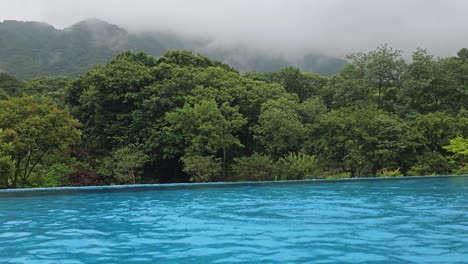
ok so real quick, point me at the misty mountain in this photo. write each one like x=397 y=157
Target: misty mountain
x=32 y=49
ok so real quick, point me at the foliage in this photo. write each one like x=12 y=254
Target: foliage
x=436 y=129
x=9 y=86
x=185 y=117
x=431 y=163
x=459 y=148
x=202 y=168
x=124 y=164
x=254 y=168
x=280 y=128
x=34 y=131
x=7 y=170
x=385 y=172
x=344 y=175
x=55 y=175
x=363 y=140
x=84 y=177
x=379 y=70
x=206 y=128
x=53 y=88
x=304 y=85
x=297 y=166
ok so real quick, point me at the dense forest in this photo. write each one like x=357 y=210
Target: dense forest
x=33 y=49
x=187 y=118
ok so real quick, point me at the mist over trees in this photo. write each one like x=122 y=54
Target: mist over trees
x=33 y=49
x=188 y=118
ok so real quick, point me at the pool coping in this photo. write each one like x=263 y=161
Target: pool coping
x=178 y=186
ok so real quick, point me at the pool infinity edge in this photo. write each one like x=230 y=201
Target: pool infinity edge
x=178 y=186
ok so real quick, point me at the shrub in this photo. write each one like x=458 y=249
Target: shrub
x=431 y=163
x=298 y=166
x=84 y=177
x=6 y=170
x=385 y=172
x=459 y=148
x=124 y=164
x=254 y=168
x=56 y=175
x=201 y=168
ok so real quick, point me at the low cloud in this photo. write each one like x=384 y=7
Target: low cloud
x=283 y=27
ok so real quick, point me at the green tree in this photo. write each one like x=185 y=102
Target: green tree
x=10 y=86
x=431 y=163
x=7 y=169
x=459 y=148
x=380 y=69
x=362 y=140
x=124 y=164
x=54 y=88
x=206 y=128
x=304 y=85
x=436 y=130
x=422 y=83
x=280 y=129
x=35 y=130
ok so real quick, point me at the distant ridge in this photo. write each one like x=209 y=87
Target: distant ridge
x=32 y=49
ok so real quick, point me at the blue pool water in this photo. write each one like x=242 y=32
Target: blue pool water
x=414 y=220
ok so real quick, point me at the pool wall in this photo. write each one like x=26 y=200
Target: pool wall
x=178 y=186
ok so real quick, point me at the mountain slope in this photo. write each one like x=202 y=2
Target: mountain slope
x=32 y=49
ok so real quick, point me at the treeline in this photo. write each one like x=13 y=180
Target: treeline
x=185 y=117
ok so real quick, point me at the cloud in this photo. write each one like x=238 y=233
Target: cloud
x=333 y=27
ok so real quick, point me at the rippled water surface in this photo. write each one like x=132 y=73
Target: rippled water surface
x=415 y=220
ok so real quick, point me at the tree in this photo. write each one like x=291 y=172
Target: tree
x=436 y=130
x=10 y=86
x=362 y=140
x=434 y=85
x=304 y=85
x=206 y=128
x=459 y=148
x=380 y=69
x=35 y=130
x=431 y=163
x=455 y=72
x=126 y=102
x=124 y=164
x=48 y=87
x=7 y=170
x=280 y=129
x=107 y=100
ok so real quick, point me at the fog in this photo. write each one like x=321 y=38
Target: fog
x=287 y=27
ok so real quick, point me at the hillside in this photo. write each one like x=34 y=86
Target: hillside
x=32 y=49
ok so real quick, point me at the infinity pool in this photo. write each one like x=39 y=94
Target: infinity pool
x=413 y=220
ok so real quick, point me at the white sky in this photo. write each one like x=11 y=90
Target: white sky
x=334 y=27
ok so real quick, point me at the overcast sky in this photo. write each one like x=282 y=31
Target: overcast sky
x=334 y=27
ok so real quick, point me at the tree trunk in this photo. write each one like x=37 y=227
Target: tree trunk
x=17 y=172
x=132 y=174
x=224 y=164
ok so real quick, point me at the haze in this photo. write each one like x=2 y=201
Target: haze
x=331 y=27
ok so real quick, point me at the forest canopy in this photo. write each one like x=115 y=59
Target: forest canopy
x=185 y=117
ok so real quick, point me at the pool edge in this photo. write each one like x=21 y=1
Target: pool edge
x=175 y=186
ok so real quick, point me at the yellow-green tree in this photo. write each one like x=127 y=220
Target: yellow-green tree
x=459 y=148
x=33 y=130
